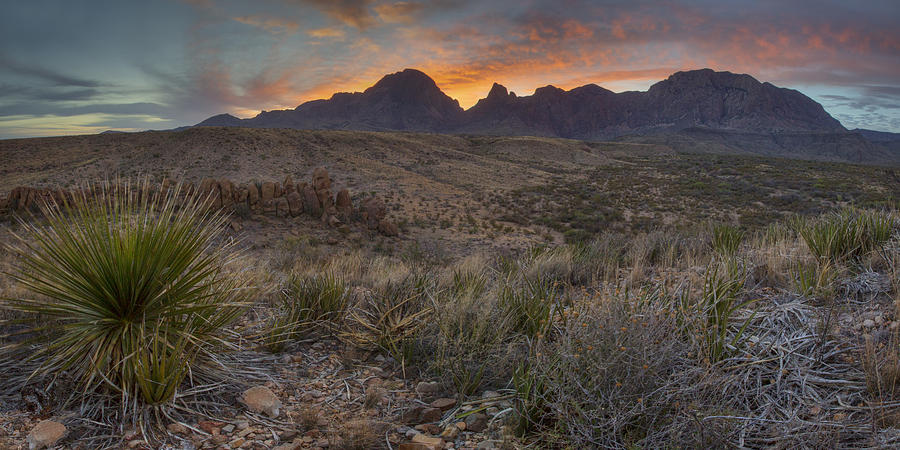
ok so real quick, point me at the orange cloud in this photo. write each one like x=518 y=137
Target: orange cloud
x=271 y=24
x=328 y=32
x=399 y=12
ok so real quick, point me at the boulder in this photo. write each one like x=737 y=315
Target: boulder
x=241 y=194
x=325 y=199
x=45 y=434
x=282 y=207
x=226 y=189
x=261 y=399
x=333 y=221
x=295 y=203
x=321 y=180
x=388 y=228
x=206 y=186
x=268 y=192
x=253 y=194
x=311 y=202
x=288 y=185
x=344 y=205
x=373 y=211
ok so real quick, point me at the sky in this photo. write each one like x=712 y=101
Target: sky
x=80 y=67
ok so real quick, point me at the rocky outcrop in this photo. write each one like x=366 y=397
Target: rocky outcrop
x=267 y=198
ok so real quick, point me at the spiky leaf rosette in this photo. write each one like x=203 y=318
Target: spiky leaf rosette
x=129 y=290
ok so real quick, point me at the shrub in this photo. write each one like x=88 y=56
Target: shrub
x=615 y=377
x=466 y=342
x=129 y=289
x=390 y=319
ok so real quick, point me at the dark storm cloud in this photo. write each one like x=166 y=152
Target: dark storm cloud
x=43 y=74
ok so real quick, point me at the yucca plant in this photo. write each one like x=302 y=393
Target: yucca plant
x=726 y=239
x=307 y=302
x=128 y=288
x=848 y=234
x=718 y=305
x=531 y=306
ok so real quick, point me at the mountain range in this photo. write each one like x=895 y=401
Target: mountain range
x=692 y=110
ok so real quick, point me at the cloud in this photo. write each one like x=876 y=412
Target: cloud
x=354 y=13
x=43 y=74
x=327 y=32
x=273 y=25
x=39 y=109
x=399 y=12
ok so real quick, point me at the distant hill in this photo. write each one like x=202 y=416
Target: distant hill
x=723 y=111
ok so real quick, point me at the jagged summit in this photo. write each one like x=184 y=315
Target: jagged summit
x=410 y=100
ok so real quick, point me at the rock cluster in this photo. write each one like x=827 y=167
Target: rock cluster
x=284 y=199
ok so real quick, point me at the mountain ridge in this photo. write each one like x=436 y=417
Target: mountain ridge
x=410 y=100
x=720 y=108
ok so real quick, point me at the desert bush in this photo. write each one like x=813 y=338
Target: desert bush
x=617 y=376
x=390 y=319
x=128 y=290
x=468 y=340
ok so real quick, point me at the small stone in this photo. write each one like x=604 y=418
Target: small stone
x=243 y=425
x=410 y=433
x=228 y=428
x=237 y=443
x=288 y=446
x=177 y=428
x=490 y=394
x=435 y=442
x=210 y=426
x=135 y=443
x=492 y=411
x=879 y=320
x=45 y=434
x=428 y=387
x=869 y=323
x=414 y=446
x=461 y=426
x=431 y=415
x=450 y=432
x=413 y=414
x=444 y=404
x=262 y=400
x=476 y=422
x=485 y=445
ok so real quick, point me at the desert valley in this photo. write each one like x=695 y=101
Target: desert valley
x=710 y=262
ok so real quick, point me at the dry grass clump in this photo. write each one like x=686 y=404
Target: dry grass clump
x=617 y=375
